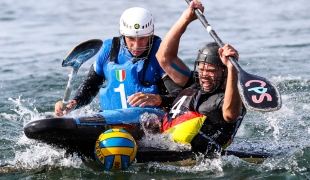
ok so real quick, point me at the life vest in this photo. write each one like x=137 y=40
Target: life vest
x=122 y=80
x=185 y=123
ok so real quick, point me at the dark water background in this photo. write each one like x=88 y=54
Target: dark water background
x=273 y=40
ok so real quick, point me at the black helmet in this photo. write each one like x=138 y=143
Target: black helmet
x=209 y=54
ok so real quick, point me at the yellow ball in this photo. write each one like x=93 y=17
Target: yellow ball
x=115 y=149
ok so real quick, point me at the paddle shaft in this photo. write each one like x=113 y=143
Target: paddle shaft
x=213 y=34
x=71 y=80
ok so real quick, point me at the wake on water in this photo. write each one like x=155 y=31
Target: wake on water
x=31 y=155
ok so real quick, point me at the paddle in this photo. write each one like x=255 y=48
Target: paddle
x=146 y=154
x=76 y=57
x=257 y=93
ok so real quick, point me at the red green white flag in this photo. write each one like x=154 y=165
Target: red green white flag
x=120 y=75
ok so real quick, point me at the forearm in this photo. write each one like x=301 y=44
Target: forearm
x=232 y=106
x=89 y=88
x=167 y=53
x=169 y=46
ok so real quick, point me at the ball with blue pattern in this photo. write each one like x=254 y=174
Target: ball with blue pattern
x=115 y=149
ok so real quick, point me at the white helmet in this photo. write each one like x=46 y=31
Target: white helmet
x=136 y=21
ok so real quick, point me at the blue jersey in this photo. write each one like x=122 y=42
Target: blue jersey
x=123 y=77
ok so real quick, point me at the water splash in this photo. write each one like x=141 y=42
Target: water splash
x=25 y=110
x=29 y=155
x=151 y=138
x=40 y=155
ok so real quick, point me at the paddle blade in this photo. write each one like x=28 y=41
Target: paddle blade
x=257 y=93
x=82 y=52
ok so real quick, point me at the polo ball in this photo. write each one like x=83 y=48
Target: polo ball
x=115 y=149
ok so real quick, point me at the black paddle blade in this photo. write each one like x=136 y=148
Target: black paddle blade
x=257 y=93
x=82 y=52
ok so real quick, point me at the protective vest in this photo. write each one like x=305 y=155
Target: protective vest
x=185 y=123
x=122 y=81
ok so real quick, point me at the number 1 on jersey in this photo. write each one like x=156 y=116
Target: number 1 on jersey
x=121 y=90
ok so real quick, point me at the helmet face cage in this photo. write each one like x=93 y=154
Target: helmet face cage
x=208 y=55
x=146 y=49
x=217 y=80
x=137 y=22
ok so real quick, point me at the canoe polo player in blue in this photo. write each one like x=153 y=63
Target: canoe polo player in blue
x=126 y=70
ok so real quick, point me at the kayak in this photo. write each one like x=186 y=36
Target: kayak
x=79 y=135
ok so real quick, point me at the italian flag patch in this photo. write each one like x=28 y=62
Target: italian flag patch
x=120 y=75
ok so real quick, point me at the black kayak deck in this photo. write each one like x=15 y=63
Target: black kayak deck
x=80 y=135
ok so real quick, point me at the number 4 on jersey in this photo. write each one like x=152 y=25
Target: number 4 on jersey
x=175 y=110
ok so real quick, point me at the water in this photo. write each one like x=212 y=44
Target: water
x=273 y=41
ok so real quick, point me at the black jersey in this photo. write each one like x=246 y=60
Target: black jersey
x=214 y=128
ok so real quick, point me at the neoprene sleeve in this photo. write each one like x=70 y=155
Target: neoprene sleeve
x=172 y=91
x=89 y=88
